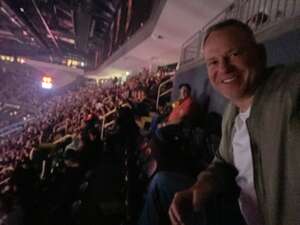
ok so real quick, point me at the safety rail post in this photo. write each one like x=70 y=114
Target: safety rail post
x=104 y=120
x=108 y=124
x=159 y=94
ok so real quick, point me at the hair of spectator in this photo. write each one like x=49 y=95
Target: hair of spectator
x=229 y=23
x=185 y=85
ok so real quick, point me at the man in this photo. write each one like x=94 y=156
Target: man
x=184 y=108
x=259 y=150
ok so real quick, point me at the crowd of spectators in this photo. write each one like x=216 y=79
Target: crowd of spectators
x=66 y=114
x=20 y=96
x=62 y=120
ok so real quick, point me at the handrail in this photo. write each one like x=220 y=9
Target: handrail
x=166 y=92
x=5 y=181
x=108 y=124
x=13 y=127
x=42 y=175
x=104 y=120
x=15 y=106
x=159 y=94
x=10 y=127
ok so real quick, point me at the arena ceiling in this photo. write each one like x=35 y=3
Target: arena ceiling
x=52 y=28
x=49 y=30
x=178 y=21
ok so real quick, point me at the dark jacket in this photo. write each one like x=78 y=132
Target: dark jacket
x=274 y=130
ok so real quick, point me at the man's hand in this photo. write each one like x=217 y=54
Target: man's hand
x=182 y=204
x=189 y=201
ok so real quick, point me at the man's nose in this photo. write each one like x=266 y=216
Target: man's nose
x=225 y=65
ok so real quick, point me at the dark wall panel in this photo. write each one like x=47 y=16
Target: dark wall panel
x=284 y=49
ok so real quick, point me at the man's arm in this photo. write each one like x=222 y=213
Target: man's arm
x=218 y=178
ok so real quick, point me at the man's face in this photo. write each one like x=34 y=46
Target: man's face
x=184 y=92
x=232 y=61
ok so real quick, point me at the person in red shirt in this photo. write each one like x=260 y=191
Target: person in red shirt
x=183 y=108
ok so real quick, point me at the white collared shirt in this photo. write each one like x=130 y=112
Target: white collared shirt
x=244 y=163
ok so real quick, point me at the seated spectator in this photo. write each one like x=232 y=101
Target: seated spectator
x=171 y=148
x=143 y=109
x=161 y=190
x=184 y=108
x=180 y=155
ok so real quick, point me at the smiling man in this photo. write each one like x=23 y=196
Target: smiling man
x=234 y=62
x=259 y=151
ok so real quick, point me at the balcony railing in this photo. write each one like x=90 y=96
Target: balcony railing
x=258 y=14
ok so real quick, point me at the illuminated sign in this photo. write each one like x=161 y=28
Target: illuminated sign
x=47 y=82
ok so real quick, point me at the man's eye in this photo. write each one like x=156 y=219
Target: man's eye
x=236 y=53
x=212 y=63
